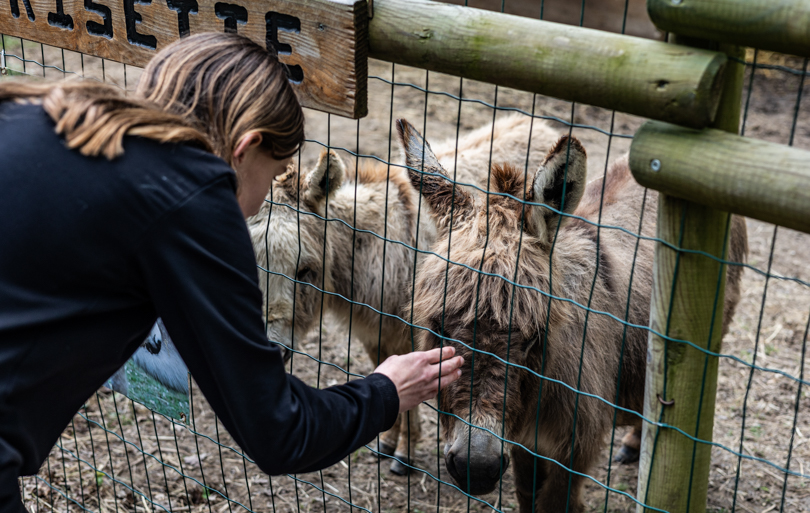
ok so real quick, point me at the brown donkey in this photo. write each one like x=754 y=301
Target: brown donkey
x=291 y=241
x=471 y=300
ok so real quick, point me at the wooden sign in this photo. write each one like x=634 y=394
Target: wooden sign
x=324 y=43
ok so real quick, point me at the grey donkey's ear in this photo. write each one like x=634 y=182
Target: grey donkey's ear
x=416 y=148
x=427 y=175
x=558 y=183
x=325 y=178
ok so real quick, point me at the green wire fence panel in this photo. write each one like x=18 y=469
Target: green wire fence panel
x=541 y=273
x=634 y=75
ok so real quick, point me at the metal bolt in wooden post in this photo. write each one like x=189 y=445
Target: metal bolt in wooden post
x=682 y=381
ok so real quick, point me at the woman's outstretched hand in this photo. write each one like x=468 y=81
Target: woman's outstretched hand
x=416 y=375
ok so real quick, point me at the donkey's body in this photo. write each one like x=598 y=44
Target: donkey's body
x=567 y=258
x=379 y=202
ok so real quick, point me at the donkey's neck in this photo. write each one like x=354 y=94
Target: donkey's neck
x=370 y=215
x=342 y=235
x=359 y=208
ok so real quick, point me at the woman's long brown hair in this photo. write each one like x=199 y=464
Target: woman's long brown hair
x=94 y=118
x=229 y=85
x=208 y=90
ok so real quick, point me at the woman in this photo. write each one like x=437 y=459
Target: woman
x=116 y=210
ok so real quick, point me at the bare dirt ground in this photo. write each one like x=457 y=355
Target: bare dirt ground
x=146 y=463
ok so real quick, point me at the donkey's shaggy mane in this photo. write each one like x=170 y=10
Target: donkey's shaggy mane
x=508 y=179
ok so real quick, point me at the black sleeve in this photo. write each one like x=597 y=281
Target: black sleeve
x=201 y=274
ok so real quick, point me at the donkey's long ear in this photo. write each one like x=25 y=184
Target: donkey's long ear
x=325 y=179
x=417 y=150
x=428 y=176
x=559 y=183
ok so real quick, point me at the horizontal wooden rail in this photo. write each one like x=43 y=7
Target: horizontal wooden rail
x=777 y=25
x=766 y=181
x=648 y=78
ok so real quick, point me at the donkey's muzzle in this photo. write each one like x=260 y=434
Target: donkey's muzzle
x=477 y=465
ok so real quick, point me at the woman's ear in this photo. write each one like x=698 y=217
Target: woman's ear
x=559 y=183
x=246 y=142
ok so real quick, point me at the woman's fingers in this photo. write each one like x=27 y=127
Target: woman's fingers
x=418 y=375
x=450 y=372
x=446 y=367
x=450 y=366
x=444 y=381
x=440 y=353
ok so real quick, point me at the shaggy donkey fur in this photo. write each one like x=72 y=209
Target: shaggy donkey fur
x=291 y=242
x=559 y=255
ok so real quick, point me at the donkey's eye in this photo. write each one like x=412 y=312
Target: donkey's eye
x=305 y=275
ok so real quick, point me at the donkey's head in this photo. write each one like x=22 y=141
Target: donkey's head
x=473 y=304
x=288 y=238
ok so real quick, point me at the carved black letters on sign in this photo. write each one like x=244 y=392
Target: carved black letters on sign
x=133 y=19
x=59 y=18
x=276 y=21
x=15 y=9
x=320 y=43
x=183 y=8
x=95 y=28
x=232 y=14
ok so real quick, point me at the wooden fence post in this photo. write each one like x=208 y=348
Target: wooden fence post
x=681 y=381
x=750 y=177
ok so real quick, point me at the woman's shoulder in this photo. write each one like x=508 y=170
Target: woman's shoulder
x=156 y=176
x=22 y=115
x=185 y=160
x=30 y=120
x=170 y=174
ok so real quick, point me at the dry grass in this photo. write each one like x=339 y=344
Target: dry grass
x=770 y=60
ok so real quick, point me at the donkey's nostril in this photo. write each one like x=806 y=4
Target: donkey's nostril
x=494 y=469
x=476 y=464
x=457 y=466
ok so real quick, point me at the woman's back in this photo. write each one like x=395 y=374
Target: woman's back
x=78 y=234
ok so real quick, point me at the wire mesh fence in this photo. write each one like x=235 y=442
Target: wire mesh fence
x=370 y=253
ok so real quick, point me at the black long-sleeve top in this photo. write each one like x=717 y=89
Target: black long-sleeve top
x=93 y=251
